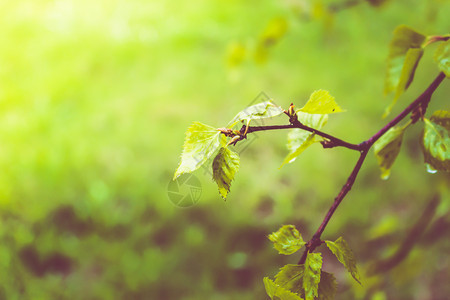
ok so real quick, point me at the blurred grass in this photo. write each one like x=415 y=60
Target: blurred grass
x=95 y=98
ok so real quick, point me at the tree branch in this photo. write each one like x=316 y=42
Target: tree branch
x=365 y=147
x=315 y=241
x=335 y=142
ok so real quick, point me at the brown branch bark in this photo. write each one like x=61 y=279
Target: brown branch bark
x=335 y=142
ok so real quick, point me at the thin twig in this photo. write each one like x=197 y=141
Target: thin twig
x=315 y=241
x=335 y=141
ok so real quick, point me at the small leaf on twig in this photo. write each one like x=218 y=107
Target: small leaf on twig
x=405 y=52
x=442 y=57
x=290 y=277
x=225 y=166
x=387 y=148
x=201 y=143
x=277 y=292
x=287 y=240
x=311 y=277
x=321 y=102
x=263 y=110
x=299 y=139
x=436 y=141
x=344 y=254
x=404 y=38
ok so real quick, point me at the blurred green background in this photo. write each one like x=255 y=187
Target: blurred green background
x=95 y=98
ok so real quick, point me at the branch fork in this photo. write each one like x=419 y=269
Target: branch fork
x=417 y=109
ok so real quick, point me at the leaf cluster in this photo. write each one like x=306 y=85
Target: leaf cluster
x=306 y=281
x=405 y=51
x=203 y=141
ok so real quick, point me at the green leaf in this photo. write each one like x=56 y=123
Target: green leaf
x=311 y=277
x=201 y=142
x=277 y=292
x=290 y=277
x=411 y=61
x=387 y=148
x=436 y=141
x=263 y=110
x=404 y=38
x=344 y=254
x=270 y=286
x=225 y=166
x=321 y=102
x=298 y=139
x=442 y=57
x=301 y=137
x=287 y=240
x=327 y=286
x=442 y=118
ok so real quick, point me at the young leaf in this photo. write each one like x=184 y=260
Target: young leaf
x=290 y=277
x=298 y=139
x=436 y=141
x=344 y=254
x=404 y=38
x=263 y=110
x=276 y=292
x=200 y=144
x=301 y=137
x=441 y=117
x=321 y=102
x=225 y=166
x=327 y=286
x=287 y=240
x=412 y=59
x=386 y=149
x=311 y=276
x=442 y=57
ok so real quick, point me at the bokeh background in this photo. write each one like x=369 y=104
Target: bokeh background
x=95 y=98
